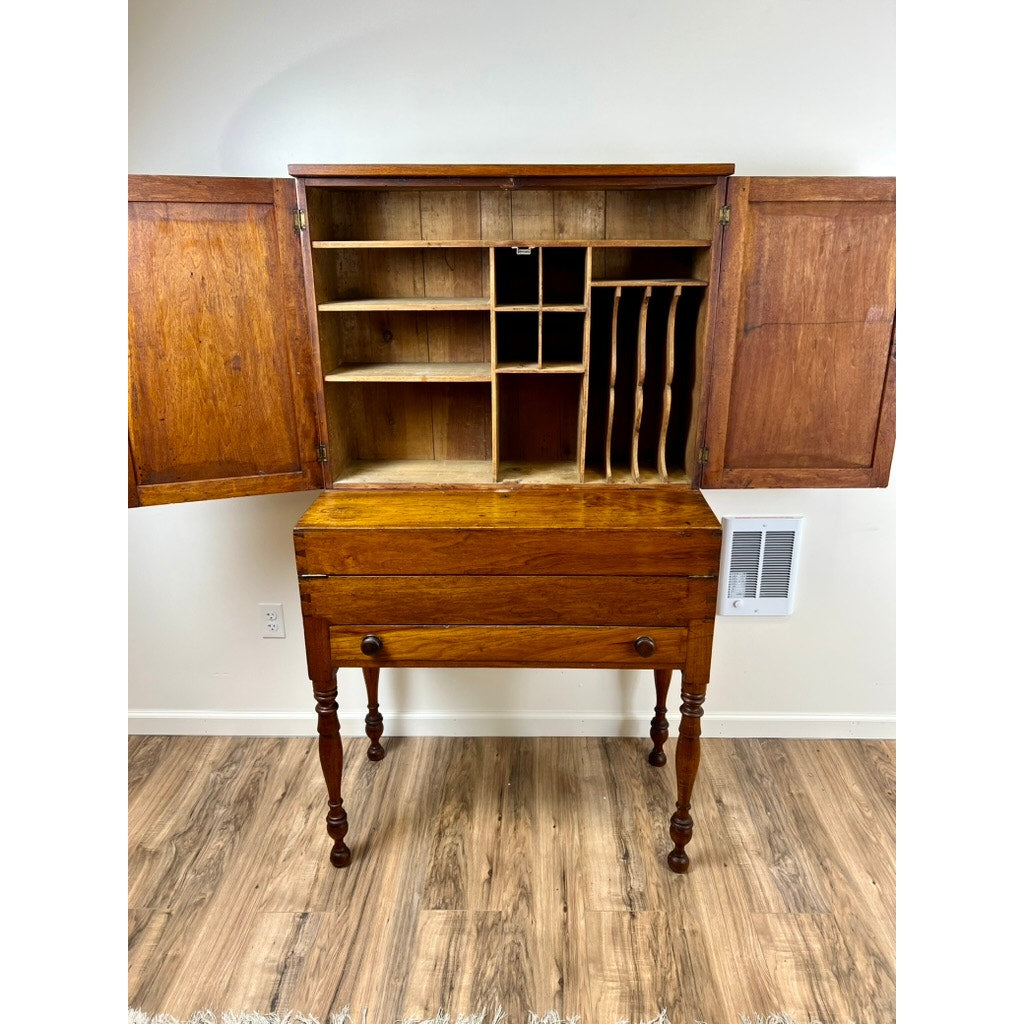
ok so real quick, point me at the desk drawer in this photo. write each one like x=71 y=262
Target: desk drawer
x=510 y=600
x=501 y=646
x=533 y=552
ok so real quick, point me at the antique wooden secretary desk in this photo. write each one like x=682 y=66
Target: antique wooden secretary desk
x=509 y=382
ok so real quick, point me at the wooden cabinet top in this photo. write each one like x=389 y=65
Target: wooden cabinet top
x=509 y=171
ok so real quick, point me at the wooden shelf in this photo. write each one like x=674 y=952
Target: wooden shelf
x=411 y=243
x=414 y=304
x=653 y=282
x=481 y=472
x=509 y=243
x=580 y=307
x=538 y=472
x=534 y=368
x=644 y=243
x=419 y=471
x=385 y=373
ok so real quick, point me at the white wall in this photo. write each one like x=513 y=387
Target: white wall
x=774 y=86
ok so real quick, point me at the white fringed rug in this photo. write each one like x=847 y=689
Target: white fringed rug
x=345 y=1017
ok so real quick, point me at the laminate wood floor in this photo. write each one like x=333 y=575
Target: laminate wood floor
x=525 y=873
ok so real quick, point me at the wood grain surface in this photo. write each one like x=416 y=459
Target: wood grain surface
x=507 y=170
x=220 y=401
x=528 y=873
x=560 y=531
x=807 y=312
x=511 y=646
x=551 y=508
x=510 y=600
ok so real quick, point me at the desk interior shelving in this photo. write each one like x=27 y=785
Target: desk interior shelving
x=488 y=336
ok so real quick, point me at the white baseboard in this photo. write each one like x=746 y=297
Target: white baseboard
x=550 y=723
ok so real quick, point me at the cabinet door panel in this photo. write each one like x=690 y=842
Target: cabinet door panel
x=803 y=385
x=222 y=395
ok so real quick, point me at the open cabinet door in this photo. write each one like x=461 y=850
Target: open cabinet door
x=222 y=394
x=803 y=379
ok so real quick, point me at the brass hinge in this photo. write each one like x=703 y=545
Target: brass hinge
x=300 y=219
x=702 y=456
x=723 y=215
x=321 y=453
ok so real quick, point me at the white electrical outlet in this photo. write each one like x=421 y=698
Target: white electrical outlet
x=272 y=620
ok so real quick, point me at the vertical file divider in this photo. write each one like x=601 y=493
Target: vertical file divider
x=581 y=441
x=666 y=400
x=495 y=433
x=613 y=360
x=540 y=306
x=641 y=372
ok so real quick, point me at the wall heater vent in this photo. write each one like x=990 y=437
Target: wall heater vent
x=759 y=560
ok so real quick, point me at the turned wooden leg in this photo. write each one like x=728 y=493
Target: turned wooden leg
x=325 y=689
x=659 y=723
x=687 y=762
x=374 y=719
x=332 y=762
x=695 y=682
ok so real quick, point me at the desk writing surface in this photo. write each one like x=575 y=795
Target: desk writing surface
x=537 y=532
x=537 y=508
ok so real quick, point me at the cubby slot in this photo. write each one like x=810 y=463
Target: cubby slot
x=647 y=264
x=402 y=279
x=672 y=213
x=409 y=215
x=517 y=276
x=517 y=339
x=643 y=361
x=561 y=339
x=405 y=430
x=563 y=276
x=638 y=381
x=669 y=357
x=604 y=346
x=538 y=427
x=458 y=343
x=402 y=215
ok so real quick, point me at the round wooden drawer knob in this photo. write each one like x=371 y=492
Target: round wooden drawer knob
x=644 y=646
x=371 y=645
